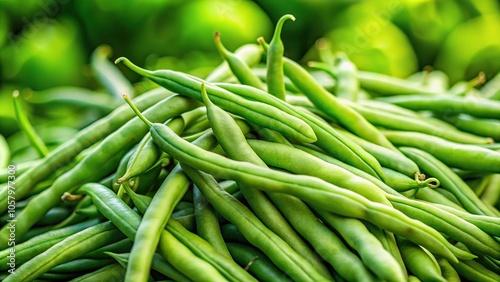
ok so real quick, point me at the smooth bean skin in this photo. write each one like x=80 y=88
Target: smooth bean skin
x=310 y=189
x=387 y=85
x=482 y=127
x=105 y=156
x=327 y=137
x=420 y=263
x=65 y=153
x=447 y=270
x=260 y=113
x=128 y=222
x=66 y=250
x=254 y=231
x=275 y=76
x=240 y=69
x=447 y=104
x=448 y=180
x=299 y=162
x=259 y=264
x=280 y=213
x=112 y=273
x=81 y=265
x=4 y=153
x=468 y=157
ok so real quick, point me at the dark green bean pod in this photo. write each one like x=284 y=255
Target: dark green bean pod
x=250 y=54
x=207 y=223
x=402 y=183
x=53 y=216
x=331 y=105
x=81 y=265
x=447 y=270
x=38 y=244
x=66 y=250
x=448 y=179
x=299 y=162
x=240 y=69
x=429 y=126
x=105 y=156
x=119 y=246
x=478 y=126
x=84 y=139
x=260 y=236
x=108 y=75
x=447 y=104
x=420 y=262
x=327 y=137
x=468 y=157
x=260 y=113
x=257 y=263
x=159 y=264
x=277 y=211
x=386 y=158
x=310 y=189
x=375 y=257
x=274 y=61
x=435 y=216
x=110 y=273
x=50 y=276
x=73 y=97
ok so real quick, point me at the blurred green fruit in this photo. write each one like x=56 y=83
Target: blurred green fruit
x=238 y=21
x=49 y=53
x=364 y=32
x=472 y=47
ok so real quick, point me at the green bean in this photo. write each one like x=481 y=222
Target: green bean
x=4 y=155
x=49 y=276
x=73 y=97
x=491 y=194
x=27 y=128
x=81 y=265
x=38 y=244
x=119 y=246
x=447 y=104
x=386 y=158
x=233 y=142
x=204 y=250
x=128 y=222
x=419 y=261
x=108 y=75
x=468 y=157
x=20 y=168
x=375 y=257
x=333 y=106
x=474 y=271
x=66 y=250
x=387 y=85
x=478 y=126
x=257 y=263
x=402 y=183
x=112 y=273
x=274 y=61
x=257 y=112
x=84 y=139
x=105 y=156
x=448 y=180
x=327 y=137
x=433 y=196
x=207 y=223
x=183 y=259
x=299 y=162
x=424 y=125
x=167 y=196
x=122 y=168
x=53 y=216
x=159 y=264
x=447 y=270
x=250 y=54
x=273 y=246
x=453 y=226
x=240 y=69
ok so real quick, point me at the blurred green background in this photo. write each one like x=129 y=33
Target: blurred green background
x=49 y=43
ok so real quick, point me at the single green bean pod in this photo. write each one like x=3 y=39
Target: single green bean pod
x=274 y=61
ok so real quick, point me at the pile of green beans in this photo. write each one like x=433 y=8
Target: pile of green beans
x=260 y=171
